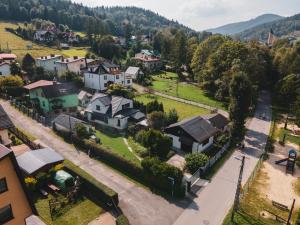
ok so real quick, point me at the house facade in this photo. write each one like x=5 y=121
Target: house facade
x=48 y=62
x=133 y=72
x=101 y=76
x=4 y=69
x=149 y=59
x=112 y=111
x=192 y=135
x=74 y=64
x=44 y=36
x=55 y=97
x=15 y=204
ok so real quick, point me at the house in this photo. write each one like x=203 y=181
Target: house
x=5 y=124
x=16 y=207
x=84 y=98
x=66 y=123
x=44 y=36
x=4 y=69
x=112 y=111
x=74 y=64
x=150 y=59
x=64 y=46
x=9 y=58
x=192 y=135
x=218 y=121
x=133 y=72
x=48 y=62
x=50 y=96
x=41 y=160
x=101 y=76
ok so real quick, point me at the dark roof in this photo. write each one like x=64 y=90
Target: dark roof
x=132 y=113
x=217 y=120
x=58 y=90
x=5 y=121
x=65 y=120
x=197 y=128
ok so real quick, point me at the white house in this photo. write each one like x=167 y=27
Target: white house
x=74 y=64
x=4 y=69
x=149 y=59
x=192 y=135
x=133 y=72
x=101 y=76
x=43 y=36
x=112 y=111
x=84 y=99
x=48 y=62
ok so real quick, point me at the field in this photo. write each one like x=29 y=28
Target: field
x=116 y=144
x=183 y=110
x=18 y=45
x=167 y=83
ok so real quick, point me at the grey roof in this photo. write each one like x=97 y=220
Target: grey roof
x=59 y=90
x=132 y=113
x=197 y=127
x=67 y=121
x=217 y=120
x=132 y=70
x=4 y=151
x=83 y=94
x=32 y=161
x=5 y=121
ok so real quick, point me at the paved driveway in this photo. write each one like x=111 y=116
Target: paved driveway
x=141 y=206
x=215 y=200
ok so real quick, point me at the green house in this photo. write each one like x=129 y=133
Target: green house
x=53 y=97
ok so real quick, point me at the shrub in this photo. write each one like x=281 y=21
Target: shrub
x=122 y=220
x=31 y=183
x=157 y=120
x=195 y=160
x=154 y=106
x=172 y=117
x=81 y=131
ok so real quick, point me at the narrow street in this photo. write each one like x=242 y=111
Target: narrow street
x=141 y=206
x=215 y=200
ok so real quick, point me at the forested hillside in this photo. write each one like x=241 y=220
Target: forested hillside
x=115 y=20
x=280 y=28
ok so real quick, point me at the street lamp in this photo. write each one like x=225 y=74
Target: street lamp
x=173 y=183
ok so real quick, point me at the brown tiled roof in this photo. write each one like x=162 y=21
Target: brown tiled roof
x=40 y=83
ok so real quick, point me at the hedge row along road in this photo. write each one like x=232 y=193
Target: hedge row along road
x=140 y=205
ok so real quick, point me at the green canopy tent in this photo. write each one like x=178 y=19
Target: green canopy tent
x=63 y=180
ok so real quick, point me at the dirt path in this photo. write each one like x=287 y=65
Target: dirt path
x=141 y=206
x=279 y=185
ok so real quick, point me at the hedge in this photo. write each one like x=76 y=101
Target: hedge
x=91 y=186
x=122 y=220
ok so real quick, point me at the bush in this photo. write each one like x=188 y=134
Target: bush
x=91 y=186
x=157 y=120
x=194 y=161
x=172 y=117
x=81 y=131
x=122 y=220
x=31 y=183
x=154 y=106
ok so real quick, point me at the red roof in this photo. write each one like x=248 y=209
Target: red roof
x=40 y=83
x=7 y=56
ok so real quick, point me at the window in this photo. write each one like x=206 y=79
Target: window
x=6 y=214
x=3 y=185
x=128 y=81
x=98 y=107
x=117 y=77
x=119 y=123
x=126 y=106
x=105 y=77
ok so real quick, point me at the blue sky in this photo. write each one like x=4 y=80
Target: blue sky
x=204 y=14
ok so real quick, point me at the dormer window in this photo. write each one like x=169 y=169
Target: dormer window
x=98 y=108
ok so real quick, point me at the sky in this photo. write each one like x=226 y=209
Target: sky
x=204 y=14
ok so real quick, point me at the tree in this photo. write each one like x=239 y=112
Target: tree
x=172 y=117
x=288 y=89
x=28 y=64
x=119 y=90
x=15 y=69
x=297 y=111
x=240 y=101
x=81 y=131
x=157 y=120
x=194 y=161
x=154 y=106
x=180 y=49
x=12 y=85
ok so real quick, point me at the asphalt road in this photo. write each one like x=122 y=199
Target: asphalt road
x=213 y=202
x=141 y=206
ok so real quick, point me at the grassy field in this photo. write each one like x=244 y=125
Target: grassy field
x=183 y=110
x=116 y=144
x=167 y=83
x=80 y=214
x=18 y=45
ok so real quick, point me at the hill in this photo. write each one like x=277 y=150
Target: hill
x=280 y=28
x=101 y=20
x=239 y=27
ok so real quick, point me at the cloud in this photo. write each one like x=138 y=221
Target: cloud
x=204 y=14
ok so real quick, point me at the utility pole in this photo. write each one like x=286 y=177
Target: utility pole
x=238 y=190
x=291 y=212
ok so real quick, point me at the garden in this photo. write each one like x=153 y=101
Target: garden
x=166 y=82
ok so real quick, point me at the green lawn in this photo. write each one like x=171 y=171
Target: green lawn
x=80 y=214
x=183 y=110
x=116 y=144
x=167 y=83
x=288 y=136
x=81 y=52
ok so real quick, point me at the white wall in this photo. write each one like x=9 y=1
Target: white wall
x=73 y=66
x=5 y=70
x=176 y=143
x=48 y=64
x=200 y=147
